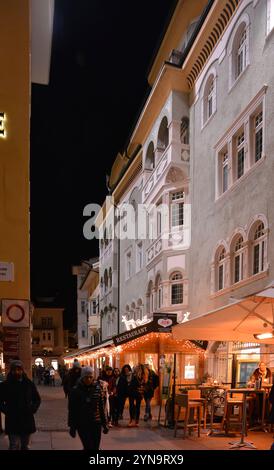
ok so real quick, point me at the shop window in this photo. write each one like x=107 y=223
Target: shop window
x=190 y=367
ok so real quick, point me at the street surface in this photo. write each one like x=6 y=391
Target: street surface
x=52 y=432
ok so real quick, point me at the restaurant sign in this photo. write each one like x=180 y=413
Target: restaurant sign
x=161 y=323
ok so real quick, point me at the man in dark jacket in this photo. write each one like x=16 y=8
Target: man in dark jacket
x=19 y=401
x=86 y=411
x=71 y=378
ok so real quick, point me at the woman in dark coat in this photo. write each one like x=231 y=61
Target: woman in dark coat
x=86 y=411
x=122 y=388
x=19 y=401
x=136 y=393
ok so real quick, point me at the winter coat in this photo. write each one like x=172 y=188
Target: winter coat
x=86 y=406
x=151 y=385
x=19 y=401
x=123 y=386
x=136 y=388
x=71 y=379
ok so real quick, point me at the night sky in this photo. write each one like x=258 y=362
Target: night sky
x=101 y=54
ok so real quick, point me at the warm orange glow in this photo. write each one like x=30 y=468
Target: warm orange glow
x=3 y=133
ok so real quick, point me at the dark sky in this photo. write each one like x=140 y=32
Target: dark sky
x=101 y=54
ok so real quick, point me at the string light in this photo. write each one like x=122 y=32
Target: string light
x=178 y=346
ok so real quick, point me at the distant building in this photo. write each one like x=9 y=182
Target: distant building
x=49 y=340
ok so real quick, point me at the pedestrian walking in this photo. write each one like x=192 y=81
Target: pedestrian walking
x=86 y=411
x=123 y=388
x=150 y=387
x=19 y=401
x=71 y=378
x=113 y=397
x=136 y=393
x=52 y=377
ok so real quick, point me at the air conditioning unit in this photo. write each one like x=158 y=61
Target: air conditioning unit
x=175 y=57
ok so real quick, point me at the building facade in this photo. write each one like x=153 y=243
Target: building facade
x=49 y=340
x=200 y=163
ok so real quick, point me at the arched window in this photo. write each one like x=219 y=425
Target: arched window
x=209 y=100
x=163 y=138
x=159 y=292
x=176 y=288
x=150 y=157
x=150 y=303
x=185 y=131
x=110 y=278
x=258 y=248
x=140 y=309
x=221 y=268
x=238 y=260
x=241 y=52
x=133 y=310
x=109 y=326
x=239 y=49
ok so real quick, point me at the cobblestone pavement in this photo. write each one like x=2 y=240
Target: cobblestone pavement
x=51 y=421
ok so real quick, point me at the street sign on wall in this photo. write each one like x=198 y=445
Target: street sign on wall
x=15 y=313
x=6 y=271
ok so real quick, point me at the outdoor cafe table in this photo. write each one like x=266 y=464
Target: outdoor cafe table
x=262 y=391
x=245 y=392
x=211 y=389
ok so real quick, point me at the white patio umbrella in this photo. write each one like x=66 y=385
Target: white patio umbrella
x=238 y=321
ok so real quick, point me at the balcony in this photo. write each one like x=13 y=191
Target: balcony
x=176 y=240
x=173 y=154
x=94 y=322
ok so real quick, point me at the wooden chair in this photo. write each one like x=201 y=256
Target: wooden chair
x=184 y=403
x=231 y=418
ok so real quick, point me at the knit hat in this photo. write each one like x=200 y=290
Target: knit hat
x=76 y=364
x=16 y=363
x=87 y=371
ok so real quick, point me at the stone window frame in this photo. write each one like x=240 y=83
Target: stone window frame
x=244 y=122
x=210 y=79
x=234 y=48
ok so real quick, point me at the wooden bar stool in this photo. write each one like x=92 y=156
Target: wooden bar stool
x=186 y=404
x=195 y=395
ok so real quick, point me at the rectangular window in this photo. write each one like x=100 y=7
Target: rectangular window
x=258 y=136
x=139 y=256
x=159 y=298
x=177 y=294
x=240 y=155
x=159 y=223
x=83 y=334
x=221 y=277
x=47 y=322
x=49 y=337
x=128 y=265
x=94 y=307
x=225 y=173
x=83 y=306
x=177 y=214
x=237 y=268
x=256 y=260
x=262 y=257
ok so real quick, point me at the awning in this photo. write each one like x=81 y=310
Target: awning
x=89 y=349
x=238 y=321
